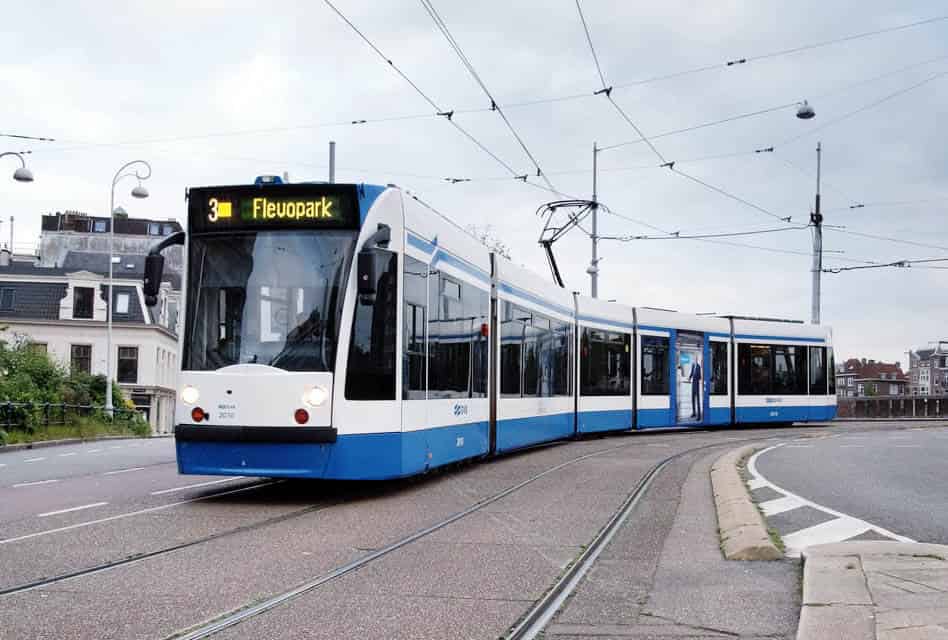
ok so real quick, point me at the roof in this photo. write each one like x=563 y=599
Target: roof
x=872 y=370
x=93 y=262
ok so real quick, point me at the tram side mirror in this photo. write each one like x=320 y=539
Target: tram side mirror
x=154 y=267
x=366 y=273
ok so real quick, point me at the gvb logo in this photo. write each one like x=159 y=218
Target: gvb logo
x=460 y=409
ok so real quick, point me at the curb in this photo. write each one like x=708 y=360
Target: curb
x=743 y=532
x=42 y=444
x=842 y=591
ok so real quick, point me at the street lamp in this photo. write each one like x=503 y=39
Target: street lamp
x=141 y=172
x=22 y=174
x=805 y=111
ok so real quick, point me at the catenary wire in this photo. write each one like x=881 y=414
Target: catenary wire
x=443 y=28
x=896 y=263
x=888 y=239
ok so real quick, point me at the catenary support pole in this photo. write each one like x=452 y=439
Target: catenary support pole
x=332 y=161
x=816 y=219
x=594 y=262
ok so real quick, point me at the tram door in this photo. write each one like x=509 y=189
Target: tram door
x=690 y=376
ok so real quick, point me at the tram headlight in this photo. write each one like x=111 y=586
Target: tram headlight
x=315 y=397
x=190 y=395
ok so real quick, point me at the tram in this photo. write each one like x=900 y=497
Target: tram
x=348 y=331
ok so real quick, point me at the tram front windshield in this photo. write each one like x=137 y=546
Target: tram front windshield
x=270 y=297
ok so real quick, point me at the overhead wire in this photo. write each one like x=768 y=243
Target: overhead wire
x=495 y=106
x=896 y=263
x=887 y=239
x=703 y=236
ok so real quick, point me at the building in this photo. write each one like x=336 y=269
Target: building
x=858 y=378
x=58 y=300
x=928 y=370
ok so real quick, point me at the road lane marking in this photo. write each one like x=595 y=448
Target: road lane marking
x=852 y=446
x=192 y=486
x=34 y=459
x=63 y=455
x=117 y=471
x=33 y=484
x=120 y=516
x=116 y=447
x=70 y=510
x=842 y=528
x=779 y=505
x=94 y=451
x=908 y=446
x=756 y=483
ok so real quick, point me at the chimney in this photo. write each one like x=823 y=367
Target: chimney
x=4 y=257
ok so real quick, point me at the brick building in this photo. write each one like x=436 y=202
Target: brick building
x=928 y=370
x=858 y=378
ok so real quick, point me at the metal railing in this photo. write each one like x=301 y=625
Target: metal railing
x=892 y=407
x=31 y=415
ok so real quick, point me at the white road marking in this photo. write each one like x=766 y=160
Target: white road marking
x=94 y=451
x=779 y=505
x=831 y=531
x=117 y=471
x=846 y=527
x=852 y=446
x=63 y=455
x=115 y=447
x=756 y=483
x=70 y=510
x=120 y=516
x=34 y=459
x=908 y=446
x=192 y=486
x=33 y=484
x=799 y=446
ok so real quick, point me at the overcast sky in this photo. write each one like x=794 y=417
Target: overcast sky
x=217 y=92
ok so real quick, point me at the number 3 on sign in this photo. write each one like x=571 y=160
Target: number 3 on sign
x=212 y=203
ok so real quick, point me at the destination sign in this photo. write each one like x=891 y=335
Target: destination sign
x=254 y=208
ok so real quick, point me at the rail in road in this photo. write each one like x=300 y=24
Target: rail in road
x=315 y=508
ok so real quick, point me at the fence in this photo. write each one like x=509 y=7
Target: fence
x=893 y=407
x=30 y=415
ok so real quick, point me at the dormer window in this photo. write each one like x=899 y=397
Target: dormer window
x=121 y=303
x=82 y=303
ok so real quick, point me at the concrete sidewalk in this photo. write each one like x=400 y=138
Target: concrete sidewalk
x=880 y=590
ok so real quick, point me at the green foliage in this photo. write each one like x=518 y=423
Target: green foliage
x=30 y=376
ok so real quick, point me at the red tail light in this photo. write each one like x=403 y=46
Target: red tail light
x=197 y=414
x=301 y=416
x=485 y=330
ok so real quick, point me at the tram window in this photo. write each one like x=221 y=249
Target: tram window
x=414 y=358
x=754 y=369
x=789 y=366
x=477 y=307
x=371 y=372
x=654 y=366
x=832 y=372
x=605 y=363
x=719 y=368
x=817 y=371
x=457 y=348
x=511 y=346
x=531 y=361
x=561 y=369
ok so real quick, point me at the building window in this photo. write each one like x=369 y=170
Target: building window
x=167 y=229
x=81 y=358
x=654 y=366
x=6 y=299
x=128 y=364
x=121 y=303
x=99 y=226
x=82 y=302
x=154 y=229
x=38 y=347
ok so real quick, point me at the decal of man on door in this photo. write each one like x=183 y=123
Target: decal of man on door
x=690 y=378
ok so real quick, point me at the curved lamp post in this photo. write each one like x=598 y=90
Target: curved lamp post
x=141 y=171
x=22 y=174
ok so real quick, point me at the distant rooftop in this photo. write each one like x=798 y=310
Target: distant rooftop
x=79 y=222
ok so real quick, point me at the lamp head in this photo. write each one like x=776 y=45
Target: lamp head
x=23 y=175
x=805 y=111
x=139 y=192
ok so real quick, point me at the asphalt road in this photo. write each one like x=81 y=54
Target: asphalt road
x=897 y=480
x=191 y=548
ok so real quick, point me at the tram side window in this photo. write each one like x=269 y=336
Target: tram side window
x=817 y=371
x=414 y=360
x=719 y=368
x=371 y=372
x=831 y=380
x=512 y=327
x=754 y=369
x=789 y=370
x=477 y=307
x=457 y=346
x=561 y=354
x=654 y=366
x=606 y=363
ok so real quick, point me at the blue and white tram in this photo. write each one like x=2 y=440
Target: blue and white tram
x=350 y=332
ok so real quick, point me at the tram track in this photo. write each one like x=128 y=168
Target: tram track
x=536 y=618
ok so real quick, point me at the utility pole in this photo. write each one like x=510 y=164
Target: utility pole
x=593 y=269
x=332 y=161
x=816 y=219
